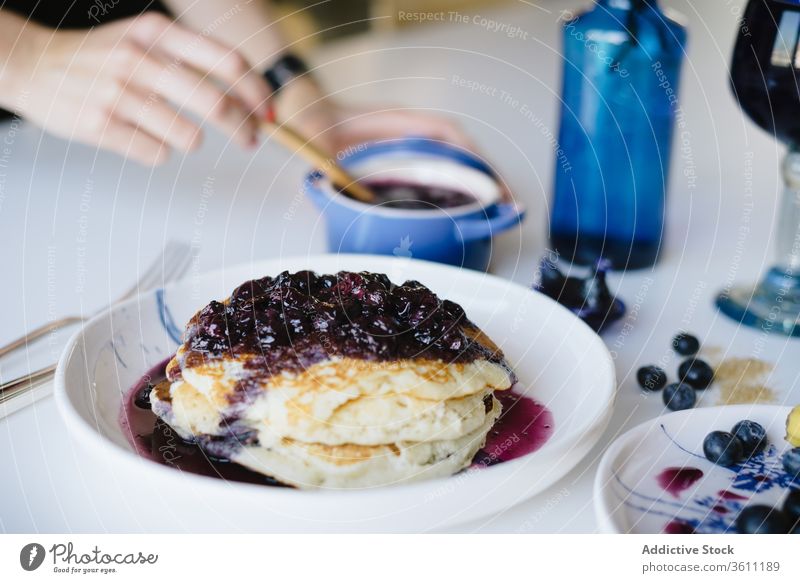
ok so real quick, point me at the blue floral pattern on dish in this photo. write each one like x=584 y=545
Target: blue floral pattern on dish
x=165 y=316
x=713 y=505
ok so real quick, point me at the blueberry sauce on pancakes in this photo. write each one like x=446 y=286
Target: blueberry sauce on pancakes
x=295 y=320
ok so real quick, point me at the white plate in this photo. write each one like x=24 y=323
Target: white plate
x=629 y=497
x=560 y=362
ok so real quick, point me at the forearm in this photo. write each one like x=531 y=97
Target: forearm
x=20 y=41
x=246 y=26
x=250 y=28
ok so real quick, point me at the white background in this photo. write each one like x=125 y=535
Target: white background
x=359 y=558
x=77 y=225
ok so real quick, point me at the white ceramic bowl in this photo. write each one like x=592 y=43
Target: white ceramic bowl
x=559 y=360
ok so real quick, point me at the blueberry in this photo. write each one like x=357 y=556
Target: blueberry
x=651 y=378
x=791 y=462
x=243 y=293
x=760 y=519
x=375 y=295
x=453 y=310
x=696 y=372
x=791 y=507
x=752 y=435
x=142 y=398
x=685 y=344
x=679 y=396
x=453 y=339
x=723 y=448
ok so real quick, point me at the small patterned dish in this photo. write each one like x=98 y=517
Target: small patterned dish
x=655 y=478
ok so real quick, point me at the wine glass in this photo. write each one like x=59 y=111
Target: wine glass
x=765 y=77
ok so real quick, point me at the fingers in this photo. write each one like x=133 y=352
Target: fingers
x=156 y=118
x=435 y=127
x=189 y=91
x=134 y=143
x=388 y=123
x=205 y=55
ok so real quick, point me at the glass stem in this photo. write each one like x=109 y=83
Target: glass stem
x=788 y=240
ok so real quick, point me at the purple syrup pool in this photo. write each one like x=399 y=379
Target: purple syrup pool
x=154 y=439
x=676 y=480
x=523 y=427
x=403 y=195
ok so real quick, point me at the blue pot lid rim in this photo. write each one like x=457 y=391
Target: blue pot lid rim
x=411 y=145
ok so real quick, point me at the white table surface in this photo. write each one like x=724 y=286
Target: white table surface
x=76 y=227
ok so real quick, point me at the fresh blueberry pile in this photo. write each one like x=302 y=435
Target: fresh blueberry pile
x=297 y=319
x=723 y=448
x=791 y=508
x=694 y=375
x=679 y=396
x=588 y=298
x=791 y=462
x=763 y=519
x=651 y=378
x=745 y=439
x=752 y=436
x=748 y=438
x=685 y=344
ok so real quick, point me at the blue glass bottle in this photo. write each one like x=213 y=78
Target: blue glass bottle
x=622 y=62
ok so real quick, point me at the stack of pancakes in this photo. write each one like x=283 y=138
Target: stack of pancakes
x=338 y=405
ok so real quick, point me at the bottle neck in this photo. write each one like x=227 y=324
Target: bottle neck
x=628 y=4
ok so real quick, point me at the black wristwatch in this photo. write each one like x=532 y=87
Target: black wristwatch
x=284 y=70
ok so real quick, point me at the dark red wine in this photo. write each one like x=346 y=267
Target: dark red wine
x=765 y=67
x=404 y=195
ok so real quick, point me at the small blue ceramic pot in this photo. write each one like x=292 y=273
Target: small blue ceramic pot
x=459 y=236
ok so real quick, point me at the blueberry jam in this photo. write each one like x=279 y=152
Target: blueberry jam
x=293 y=321
x=588 y=298
x=404 y=195
x=677 y=480
x=156 y=440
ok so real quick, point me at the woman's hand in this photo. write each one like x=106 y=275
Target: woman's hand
x=127 y=87
x=334 y=126
x=356 y=125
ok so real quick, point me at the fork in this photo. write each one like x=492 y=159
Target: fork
x=170 y=265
